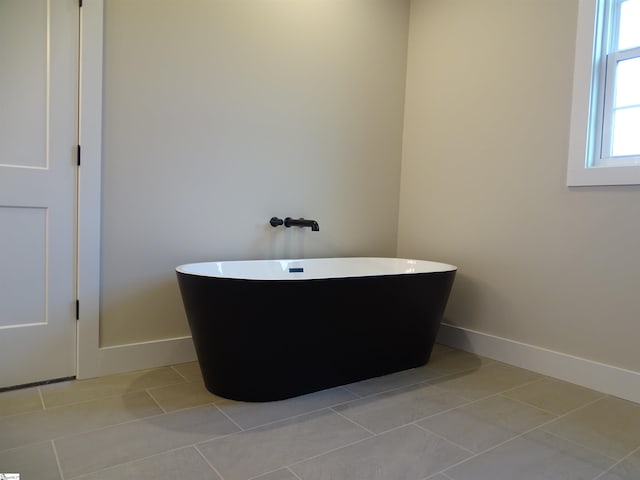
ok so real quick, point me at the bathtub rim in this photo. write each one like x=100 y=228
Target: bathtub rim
x=412 y=267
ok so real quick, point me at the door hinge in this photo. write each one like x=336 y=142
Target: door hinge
x=78 y=155
x=80 y=3
x=77 y=309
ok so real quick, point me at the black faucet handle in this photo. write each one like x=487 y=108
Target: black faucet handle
x=275 y=221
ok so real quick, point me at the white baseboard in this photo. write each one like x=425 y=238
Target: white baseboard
x=587 y=373
x=142 y=356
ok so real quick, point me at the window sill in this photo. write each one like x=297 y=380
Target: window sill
x=605 y=175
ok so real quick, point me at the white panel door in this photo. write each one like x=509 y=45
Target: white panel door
x=38 y=134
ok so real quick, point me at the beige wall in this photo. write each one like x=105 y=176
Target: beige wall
x=483 y=182
x=219 y=114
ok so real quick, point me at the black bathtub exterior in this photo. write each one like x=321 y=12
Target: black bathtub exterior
x=264 y=340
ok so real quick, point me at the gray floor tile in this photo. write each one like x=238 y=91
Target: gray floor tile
x=534 y=456
x=82 y=390
x=404 y=453
x=486 y=423
x=554 y=396
x=392 y=381
x=265 y=449
x=439 y=363
x=190 y=370
x=249 y=415
x=455 y=361
x=610 y=426
x=112 y=428
x=99 y=449
x=20 y=401
x=183 y=395
x=628 y=469
x=186 y=464
x=487 y=380
x=282 y=474
x=440 y=348
x=399 y=407
x=70 y=419
x=36 y=461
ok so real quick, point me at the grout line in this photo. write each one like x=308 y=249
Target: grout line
x=578 y=444
x=506 y=392
x=444 y=376
x=425 y=382
x=346 y=387
x=467 y=402
x=438 y=375
x=125 y=387
x=55 y=454
x=538 y=427
x=114 y=425
x=229 y=418
x=148 y=392
x=208 y=462
x=111 y=395
x=439 y=474
x=178 y=372
x=525 y=384
x=580 y=407
x=341 y=447
x=444 y=438
x=343 y=402
x=633 y=452
x=558 y=415
x=470 y=401
x=44 y=407
x=129 y=462
x=530 y=405
x=352 y=421
x=19 y=414
x=328 y=408
x=269 y=472
x=80 y=432
x=255 y=477
x=326 y=453
x=292 y=417
x=293 y=473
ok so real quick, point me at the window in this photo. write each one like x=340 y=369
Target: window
x=605 y=125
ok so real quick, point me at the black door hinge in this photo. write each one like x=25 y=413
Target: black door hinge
x=80 y=3
x=77 y=309
x=78 y=154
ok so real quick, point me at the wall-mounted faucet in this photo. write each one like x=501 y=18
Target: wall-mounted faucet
x=301 y=222
x=293 y=222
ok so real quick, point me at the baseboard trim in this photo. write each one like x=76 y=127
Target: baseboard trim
x=144 y=355
x=609 y=379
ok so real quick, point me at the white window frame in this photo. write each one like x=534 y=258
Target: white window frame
x=585 y=167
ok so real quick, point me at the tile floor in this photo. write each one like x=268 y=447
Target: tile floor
x=461 y=417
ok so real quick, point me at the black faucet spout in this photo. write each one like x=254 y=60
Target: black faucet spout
x=301 y=222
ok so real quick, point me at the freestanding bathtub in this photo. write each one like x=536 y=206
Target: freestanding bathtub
x=271 y=329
